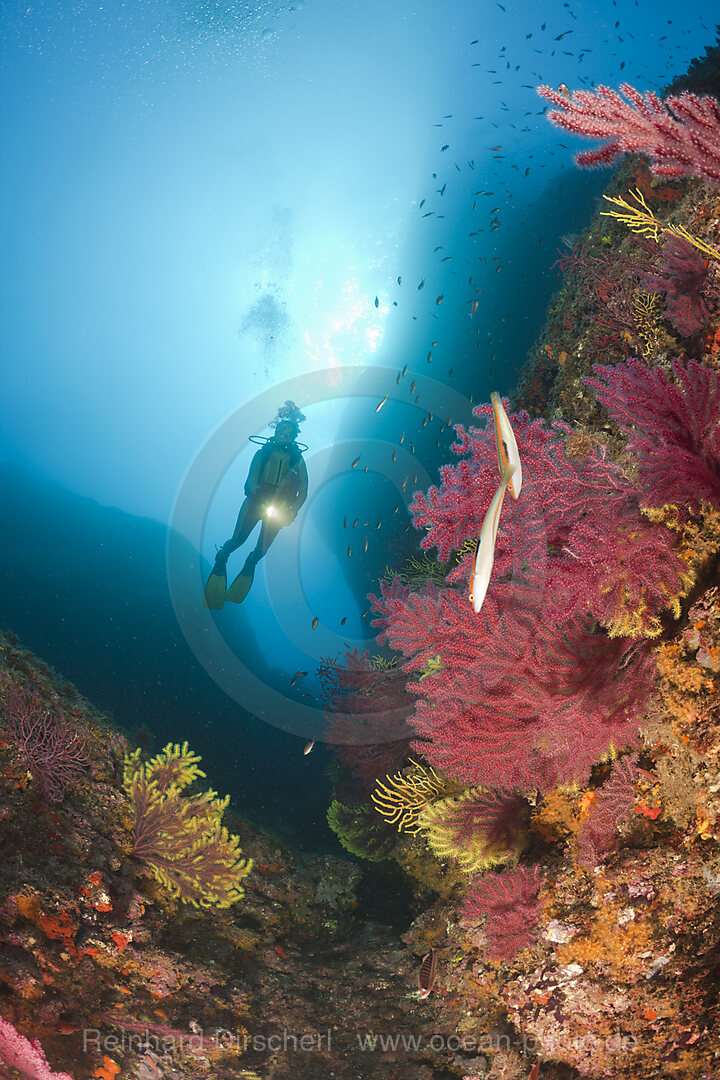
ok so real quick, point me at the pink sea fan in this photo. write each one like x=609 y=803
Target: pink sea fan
x=599 y=832
x=510 y=902
x=25 y=1056
x=672 y=425
x=680 y=135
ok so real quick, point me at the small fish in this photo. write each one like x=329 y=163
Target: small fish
x=426 y=975
x=349 y=551
x=412 y=387
x=474 y=307
x=314 y=623
x=404 y=371
x=562 y=89
x=308 y=747
x=421 y=285
x=429 y=358
x=344 y=523
x=379 y=406
x=364 y=612
x=445 y=147
x=365 y=545
x=399 y=280
x=485 y=551
x=356 y=461
x=394 y=456
x=343 y=620
x=355 y=523
x=506 y=446
x=377 y=302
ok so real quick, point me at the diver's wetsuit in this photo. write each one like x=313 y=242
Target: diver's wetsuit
x=277 y=477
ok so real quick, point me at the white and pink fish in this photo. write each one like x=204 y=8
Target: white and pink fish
x=510 y=468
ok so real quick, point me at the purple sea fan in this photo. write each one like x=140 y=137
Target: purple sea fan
x=510 y=902
x=673 y=427
x=599 y=832
x=681 y=275
x=52 y=751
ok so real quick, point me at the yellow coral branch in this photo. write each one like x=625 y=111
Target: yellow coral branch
x=401 y=799
x=640 y=219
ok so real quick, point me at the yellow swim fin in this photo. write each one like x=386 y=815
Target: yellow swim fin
x=215 y=590
x=239 y=588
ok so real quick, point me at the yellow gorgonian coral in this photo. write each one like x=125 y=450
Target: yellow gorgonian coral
x=476 y=828
x=181 y=837
x=417 y=570
x=639 y=218
x=646 y=314
x=401 y=799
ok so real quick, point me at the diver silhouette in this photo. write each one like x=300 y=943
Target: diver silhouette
x=275 y=489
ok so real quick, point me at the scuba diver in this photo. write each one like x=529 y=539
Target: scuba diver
x=275 y=489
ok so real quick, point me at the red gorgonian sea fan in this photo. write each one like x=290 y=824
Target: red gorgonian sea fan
x=598 y=834
x=48 y=746
x=510 y=902
x=520 y=701
x=680 y=135
x=576 y=533
x=682 y=275
x=672 y=426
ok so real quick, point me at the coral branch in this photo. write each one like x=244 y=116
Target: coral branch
x=509 y=899
x=680 y=136
x=673 y=426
